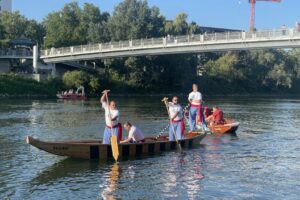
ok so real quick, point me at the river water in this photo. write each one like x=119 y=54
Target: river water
x=262 y=161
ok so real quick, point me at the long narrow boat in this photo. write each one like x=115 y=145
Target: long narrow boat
x=230 y=126
x=94 y=149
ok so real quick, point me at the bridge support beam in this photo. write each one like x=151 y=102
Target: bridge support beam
x=35 y=58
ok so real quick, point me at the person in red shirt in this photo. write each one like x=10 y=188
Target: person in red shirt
x=207 y=112
x=216 y=117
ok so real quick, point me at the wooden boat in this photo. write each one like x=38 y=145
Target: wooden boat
x=230 y=126
x=94 y=149
x=71 y=96
x=78 y=95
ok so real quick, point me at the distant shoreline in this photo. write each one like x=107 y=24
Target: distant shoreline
x=38 y=96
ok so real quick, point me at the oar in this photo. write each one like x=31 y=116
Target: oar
x=113 y=138
x=167 y=107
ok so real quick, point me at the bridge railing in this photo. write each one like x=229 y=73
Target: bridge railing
x=19 y=53
x=285 y=33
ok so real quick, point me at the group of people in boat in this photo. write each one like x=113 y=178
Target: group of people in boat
x=197 y=114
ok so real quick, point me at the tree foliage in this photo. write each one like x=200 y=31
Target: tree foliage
x=75 y=79
x=74 y=26
x=14 y=25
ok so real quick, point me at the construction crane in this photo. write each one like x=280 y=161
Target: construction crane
x=252 y=11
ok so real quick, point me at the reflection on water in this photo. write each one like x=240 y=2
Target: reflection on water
x=260 y=162
x=112 y=182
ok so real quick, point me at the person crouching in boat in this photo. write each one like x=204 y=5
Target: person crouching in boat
x=196 y=111
x=216 y=117
x=176 y=119
x=111 y=119
x=135 y=135
x=207 y=111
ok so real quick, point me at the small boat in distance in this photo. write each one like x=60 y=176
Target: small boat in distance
x=78 y=95
x=94 y=149
x=230 y=126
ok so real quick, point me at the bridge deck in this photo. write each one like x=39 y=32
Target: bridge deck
x=281 y=38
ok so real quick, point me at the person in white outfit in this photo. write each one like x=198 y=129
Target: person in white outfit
x=135 y=135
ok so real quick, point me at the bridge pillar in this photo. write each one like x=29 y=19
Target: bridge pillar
x=54 y=69
x=100 y=47
x=35 y=58
x=130 y=43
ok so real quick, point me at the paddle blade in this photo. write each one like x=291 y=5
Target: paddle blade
x=114 y=147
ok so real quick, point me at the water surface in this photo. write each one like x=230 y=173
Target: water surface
x=261 y=161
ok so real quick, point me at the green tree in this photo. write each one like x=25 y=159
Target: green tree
x=75 y=26
x=133 y=19
x=75 y=79
x=14 y=25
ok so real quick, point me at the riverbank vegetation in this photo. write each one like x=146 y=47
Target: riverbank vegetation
x=234 y=72
x=15 y=85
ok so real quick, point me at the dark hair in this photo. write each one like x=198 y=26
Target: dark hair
x=128 y=123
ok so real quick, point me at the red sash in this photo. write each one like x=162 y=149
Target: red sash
x=181 y=125
x=119 y=126
x=199 y=112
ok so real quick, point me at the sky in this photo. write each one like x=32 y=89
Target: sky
x=215 y=13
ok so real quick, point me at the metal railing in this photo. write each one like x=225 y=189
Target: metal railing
x=15 y=53
x=198 y=39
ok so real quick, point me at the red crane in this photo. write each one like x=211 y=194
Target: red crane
x=252 y=12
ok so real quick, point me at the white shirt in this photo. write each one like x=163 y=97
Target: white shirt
x=195 y=98
x=136 y=134
x=174 y=109
x=113 y=114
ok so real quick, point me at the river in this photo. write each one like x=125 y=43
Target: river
x=262 y=161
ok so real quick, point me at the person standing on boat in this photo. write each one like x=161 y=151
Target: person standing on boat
x=111 y=119
x=176 y=119
x=135 y=135
x=196 y=111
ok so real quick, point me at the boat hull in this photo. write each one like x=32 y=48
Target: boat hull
x=230 y=126
x=71 y=96
x=97 y=150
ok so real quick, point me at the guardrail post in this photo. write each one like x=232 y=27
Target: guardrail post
x=100 y=47
x=291 y=32
x=52 y=50
x=72 y=49
x=243 y=35
x=188 y=38
x=130 y=43
x=201 y=38
x=175 y=40
x=164 y=41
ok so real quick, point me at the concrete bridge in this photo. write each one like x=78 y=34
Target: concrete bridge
x=214 y=42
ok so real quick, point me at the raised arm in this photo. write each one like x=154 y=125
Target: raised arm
x=104 y=96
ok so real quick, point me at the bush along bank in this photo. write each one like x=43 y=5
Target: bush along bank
x=15 y=85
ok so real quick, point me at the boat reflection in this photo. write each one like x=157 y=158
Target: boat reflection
x=64 y=169
x=112 y=182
